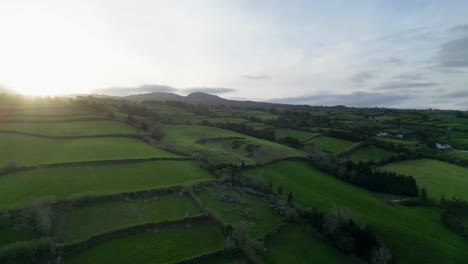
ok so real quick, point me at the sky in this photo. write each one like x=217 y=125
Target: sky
x=395 y=53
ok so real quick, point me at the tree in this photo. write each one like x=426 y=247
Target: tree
x=423 y=193
x=280 y=189
x=290 y=199
x=144 y=126
x=443 y=200
x=381 y=255
x=110 y=115
x=157 y=132
x=130 y=119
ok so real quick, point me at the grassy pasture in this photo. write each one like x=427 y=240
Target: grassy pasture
x=436 y=176
x=71 y=128
x=82 y=222
x=414 y=234
x=168 y=245
x=184 y=138
x=29 y=150
x=369 y=154
x=250 y=211
x=18 y=189
x=294 y=133
x=226 y=120
x=457 y=154
x=333 y=145
x=12 y=235
x=292 y=244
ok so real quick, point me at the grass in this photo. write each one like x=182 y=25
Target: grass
x=71 y=128
x=333 y=145
x=19 y=189
x=414 y=234
x=252 y=212
x=436 y=176
x=457 y=154
x=27 y=150
x=83 y=222
x=369 y=154
x=168 y=245
x=294 y=133
x=184 y=138
x=9 y=235
x=292 y=244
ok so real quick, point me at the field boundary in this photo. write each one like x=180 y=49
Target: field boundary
x=92 y=162
x=135 y=136
x=57 y=120
x=151 y=227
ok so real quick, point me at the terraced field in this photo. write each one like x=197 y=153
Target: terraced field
x=29 y=150
x=21 y=188
x=369 y=154
x=330 y=144
x=80 y=223
x=293 y=244
x=168 y=245
x=436 y=176
x=414 y=234
x=184 y=138
x=87 y=128
x=240 y=209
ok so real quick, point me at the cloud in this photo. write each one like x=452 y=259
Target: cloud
x=210 y=90
x=454 y=53
x=459 y=28
x=409 y=76
x=457 y=94
x=405 y=85
x=362 y=77
x=394 y=60
x=142 y=89
x=256 y=77
x=356 y=99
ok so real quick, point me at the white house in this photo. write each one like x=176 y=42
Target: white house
x=383 y=134
x=443 y=146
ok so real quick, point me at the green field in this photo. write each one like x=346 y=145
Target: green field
x=82 y=222
x=436 y=176
x=292 y=244
x=369 y=154
x=11 y=235
x=20 y=188
x=294 y=133
x=333 y=145
x=249 y=211
x=28 y=150
x=414 y=234
x=184 y=138
x=72 y=128
x=168 y=245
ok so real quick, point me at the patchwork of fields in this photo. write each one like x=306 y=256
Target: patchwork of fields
x=93 y=188
x=439 y=178
x=184 y=138
x=413 y=233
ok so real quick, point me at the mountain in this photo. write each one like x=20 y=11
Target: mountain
x=204 y=99
x=155 y=96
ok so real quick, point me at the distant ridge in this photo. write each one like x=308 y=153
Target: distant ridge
x=203 y=99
